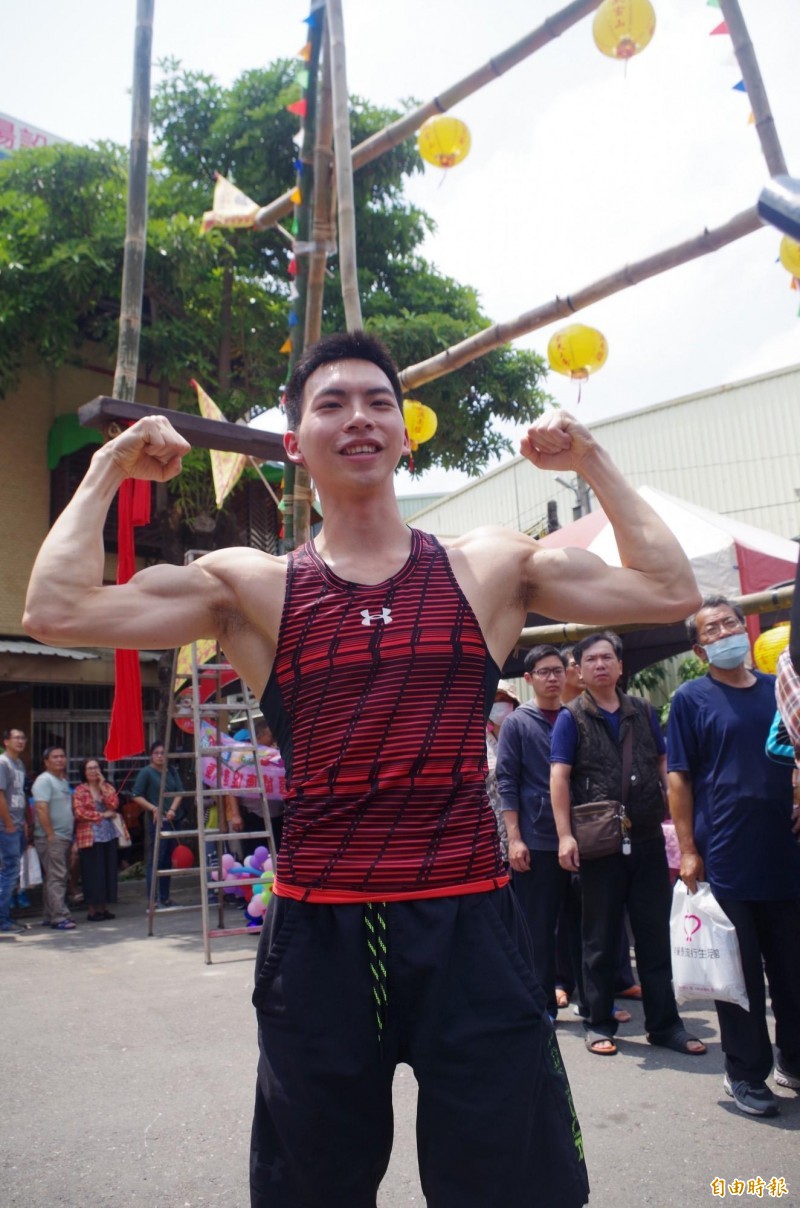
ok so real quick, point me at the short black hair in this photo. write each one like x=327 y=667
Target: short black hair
x=710 y=602
x=48 y=751
x=341 y=346
x=537 y=653
x=159 y=742
x=607 y=635
x=85 y=762
x=9 y=730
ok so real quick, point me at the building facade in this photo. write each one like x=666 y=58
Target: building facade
x=735 y=450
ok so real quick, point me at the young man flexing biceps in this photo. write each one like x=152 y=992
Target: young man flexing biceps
x=376 y=651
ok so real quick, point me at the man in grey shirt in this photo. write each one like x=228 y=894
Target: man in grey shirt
x=12 y=823
x=52 y=803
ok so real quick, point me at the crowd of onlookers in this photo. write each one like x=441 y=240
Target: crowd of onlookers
x=74 y=839
x=57 y=835
x=587 y=789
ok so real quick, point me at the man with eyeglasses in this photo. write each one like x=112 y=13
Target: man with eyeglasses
x=587 y=765
x=732 y=808
x=523 y=778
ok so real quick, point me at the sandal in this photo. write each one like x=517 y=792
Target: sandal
x=594 y=1042
x=680 y=1041
x=631 y=992
x=562 y=998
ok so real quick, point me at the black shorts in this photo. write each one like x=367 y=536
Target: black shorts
x=496 y=1126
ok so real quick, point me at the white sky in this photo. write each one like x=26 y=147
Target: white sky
x=577 y=165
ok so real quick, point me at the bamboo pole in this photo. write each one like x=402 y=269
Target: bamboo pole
x=567 y=632
x=756 y=92
x=130 y=317
x=501 y=333
x=397 y=132
x=343 y=158
x=322 y=229
x=298 y=509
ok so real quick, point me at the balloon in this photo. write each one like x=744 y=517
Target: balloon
x=256 y=906
x=249 y=862
x=622 y=28
x=577 y=350
x=182 y=856
x=260 y=855
x=420 y=420
x=443 y=141
x=768 y=647
x=227 y=862
x=790 y=255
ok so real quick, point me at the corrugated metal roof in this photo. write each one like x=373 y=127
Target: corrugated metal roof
x=12 y=646
x=19 y=646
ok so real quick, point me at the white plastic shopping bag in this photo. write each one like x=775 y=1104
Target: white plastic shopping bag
x=706 y=962
x=30 y=870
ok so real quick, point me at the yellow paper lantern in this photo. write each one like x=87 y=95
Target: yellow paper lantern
x=622 y=28
x=420 y=421
x=790 y=255
x=577 y=351
x=769 y=646
x=443 y=141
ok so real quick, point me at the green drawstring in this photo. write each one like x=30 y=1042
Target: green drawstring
x=375 y=920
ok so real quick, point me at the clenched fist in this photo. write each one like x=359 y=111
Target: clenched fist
x=150 y=449
x=557 y=442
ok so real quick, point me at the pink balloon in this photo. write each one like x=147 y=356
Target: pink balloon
x=256 y=906
x=228 y=861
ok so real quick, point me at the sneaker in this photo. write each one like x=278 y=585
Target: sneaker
x=63 y=925
x=752 y=1098
x=784 y=1078
x=12 y=928
x=165 y=905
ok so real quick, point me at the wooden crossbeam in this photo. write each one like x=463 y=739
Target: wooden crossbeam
x=104 y=413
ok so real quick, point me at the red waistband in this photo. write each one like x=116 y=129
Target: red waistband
x=343 y=897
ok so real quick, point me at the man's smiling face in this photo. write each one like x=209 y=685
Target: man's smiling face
x=351 y=424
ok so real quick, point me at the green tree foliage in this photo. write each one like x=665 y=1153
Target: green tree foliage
x=689 y=668
x=216 y=305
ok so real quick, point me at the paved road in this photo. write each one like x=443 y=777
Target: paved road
x=128 y=1068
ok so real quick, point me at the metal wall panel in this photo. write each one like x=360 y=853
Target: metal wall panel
x=735 y=450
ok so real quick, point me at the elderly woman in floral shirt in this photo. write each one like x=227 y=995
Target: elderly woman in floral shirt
x=95 y=805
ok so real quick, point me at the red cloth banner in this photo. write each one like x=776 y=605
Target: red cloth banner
x=126 y=732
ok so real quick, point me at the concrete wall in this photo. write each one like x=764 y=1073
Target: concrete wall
x=27 y=415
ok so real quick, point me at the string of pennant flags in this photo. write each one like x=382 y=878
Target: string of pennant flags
x=233 y=208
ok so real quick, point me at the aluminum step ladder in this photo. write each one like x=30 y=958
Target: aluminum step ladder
x=207 y=679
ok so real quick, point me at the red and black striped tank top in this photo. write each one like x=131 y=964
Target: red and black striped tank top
x=378 y=700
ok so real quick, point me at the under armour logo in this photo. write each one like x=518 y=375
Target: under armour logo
x=384 y=615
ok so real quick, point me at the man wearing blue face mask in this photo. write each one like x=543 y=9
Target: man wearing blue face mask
x=732 y=808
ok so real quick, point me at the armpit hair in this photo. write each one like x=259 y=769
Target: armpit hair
x=228 y=620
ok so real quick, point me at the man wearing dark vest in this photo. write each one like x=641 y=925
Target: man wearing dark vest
x=392 y=933
x=587 y=765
